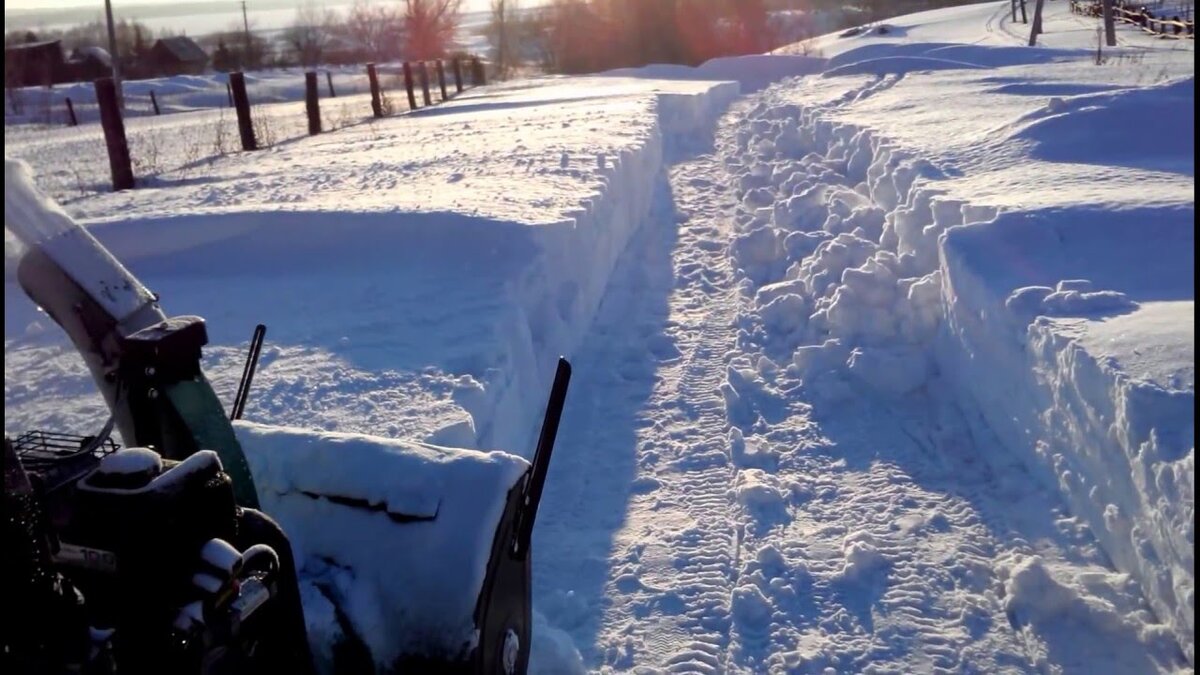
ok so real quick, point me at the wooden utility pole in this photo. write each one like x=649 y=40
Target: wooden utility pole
x=245 y=36
x=1110 y=29
x=112 y=53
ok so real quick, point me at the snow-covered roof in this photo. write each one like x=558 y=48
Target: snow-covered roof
x=32 y=46
x=183 y=48
x=94 y=53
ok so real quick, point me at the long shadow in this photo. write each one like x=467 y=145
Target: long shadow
x=591 y=477
x=467 y=108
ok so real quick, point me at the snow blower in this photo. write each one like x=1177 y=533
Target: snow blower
x=178 y=553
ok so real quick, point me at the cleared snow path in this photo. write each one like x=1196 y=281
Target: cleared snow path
x=753 y=520
x=644 y=446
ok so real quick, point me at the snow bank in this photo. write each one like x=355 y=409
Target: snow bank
x=1068 y=129
x=406 y=558
x=870 y=273
x=1114 y=435
x=752 y=73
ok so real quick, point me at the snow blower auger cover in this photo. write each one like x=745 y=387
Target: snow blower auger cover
x=399 y=537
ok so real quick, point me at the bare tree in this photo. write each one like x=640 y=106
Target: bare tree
x=378 y=28
x=429 y=26
x=504 y=32
x=310 y=33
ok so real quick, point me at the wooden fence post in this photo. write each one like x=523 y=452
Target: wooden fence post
x=311 y=103
x=458 y=74
x=114 y=134
x=408 y=84
x=237 y=87
x=373 y=78
x=441 y=73
x=74 y=121
x=423 y=73
x=229 y=90
x=1013 y=4
x=154 y=102
x=329 y=81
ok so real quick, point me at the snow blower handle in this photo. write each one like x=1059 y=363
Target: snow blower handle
x=541 y=458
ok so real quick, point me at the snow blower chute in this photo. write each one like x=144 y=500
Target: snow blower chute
x=156 y=557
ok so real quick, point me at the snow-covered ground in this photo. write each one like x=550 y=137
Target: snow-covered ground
x=884 y=356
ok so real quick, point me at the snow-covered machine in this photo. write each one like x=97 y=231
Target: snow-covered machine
x=157 y=558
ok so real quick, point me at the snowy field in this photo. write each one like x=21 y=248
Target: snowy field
x=884 y=355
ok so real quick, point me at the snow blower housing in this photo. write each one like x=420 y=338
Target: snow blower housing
x=420 y=552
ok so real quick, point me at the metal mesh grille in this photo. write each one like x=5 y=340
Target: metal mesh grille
x=56 y=457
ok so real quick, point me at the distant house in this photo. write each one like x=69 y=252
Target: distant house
x=34 y=64
x=177 y=56
x=89 y=63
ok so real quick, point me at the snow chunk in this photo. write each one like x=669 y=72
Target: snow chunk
x=131 y=461
x=751 y=609
x=1076 y=303
x=553 y=652
x=862 y=555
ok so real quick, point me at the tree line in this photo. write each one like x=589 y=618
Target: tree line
x=564 y=36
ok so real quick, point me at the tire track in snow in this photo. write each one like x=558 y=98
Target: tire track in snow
x=654 y=419
x=695 y=472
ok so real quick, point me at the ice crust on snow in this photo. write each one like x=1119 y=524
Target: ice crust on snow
x=405 y=587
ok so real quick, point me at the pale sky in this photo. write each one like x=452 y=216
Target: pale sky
x=60 y=4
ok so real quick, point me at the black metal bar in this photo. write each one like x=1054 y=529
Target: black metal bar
x=541 y=457
x=329 y=81
x=154 y=102
x=239 y=400
x=71 y=113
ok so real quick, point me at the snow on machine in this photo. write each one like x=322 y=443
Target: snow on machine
x=177 y=552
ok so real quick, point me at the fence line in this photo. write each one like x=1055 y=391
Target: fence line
x=34 y=106
x=1140 y=16
x=181 y=143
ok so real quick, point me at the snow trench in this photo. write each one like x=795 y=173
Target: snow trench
x=865 y=273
